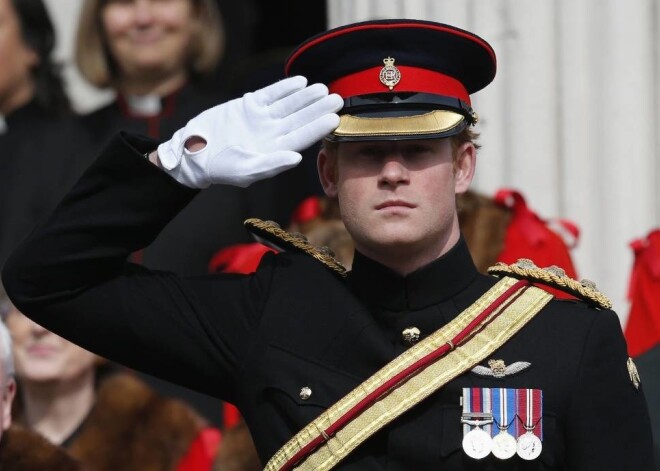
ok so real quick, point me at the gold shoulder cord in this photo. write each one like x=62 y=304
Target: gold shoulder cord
x=525 y=269
x=269 y=233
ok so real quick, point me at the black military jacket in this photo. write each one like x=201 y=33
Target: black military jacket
x=258 y=340
x=40 y=158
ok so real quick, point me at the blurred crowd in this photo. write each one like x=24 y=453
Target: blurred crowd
x=65 y=408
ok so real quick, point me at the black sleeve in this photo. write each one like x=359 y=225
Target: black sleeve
x=608 y=423
x=71 y=276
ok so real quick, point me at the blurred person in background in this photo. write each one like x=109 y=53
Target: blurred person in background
x=7 y=381
x=105 y=418
x=159 y=57
x=38 y=158
x=156 y=56
x=21 y=449
x=642 y=328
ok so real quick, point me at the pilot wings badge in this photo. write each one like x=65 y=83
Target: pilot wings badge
x=499 y=369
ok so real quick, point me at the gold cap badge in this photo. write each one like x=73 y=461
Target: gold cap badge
x=389 y=75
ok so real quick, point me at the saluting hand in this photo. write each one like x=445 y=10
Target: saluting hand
x=253 y=137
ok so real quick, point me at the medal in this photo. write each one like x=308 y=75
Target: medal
x=477 y=444
x=504 y=445
x=529 y=446
x=504 y=406
x=530 y=413
x=477 y=441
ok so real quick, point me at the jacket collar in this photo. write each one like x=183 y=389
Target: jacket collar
x=378 y=286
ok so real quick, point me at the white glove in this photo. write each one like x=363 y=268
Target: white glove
x=253 y=137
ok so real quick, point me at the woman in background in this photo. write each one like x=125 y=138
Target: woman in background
x=106 y=419
x=22 y=449
x=156 y=55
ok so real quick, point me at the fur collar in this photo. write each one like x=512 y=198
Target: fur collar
x=131 y=427
x=23 y=450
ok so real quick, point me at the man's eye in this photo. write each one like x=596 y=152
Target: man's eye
x=417 y=150
x=370 y=151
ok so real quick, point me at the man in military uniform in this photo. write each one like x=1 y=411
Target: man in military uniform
x=412 y=360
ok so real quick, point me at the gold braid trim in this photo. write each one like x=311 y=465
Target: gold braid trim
x=272 y=235
x=488 y=337
x=555 y=277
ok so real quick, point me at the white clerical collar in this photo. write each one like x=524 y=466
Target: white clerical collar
x=144 y=105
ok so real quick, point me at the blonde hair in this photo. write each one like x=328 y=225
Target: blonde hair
x=466 y=135
x=96 y=64
x=6 y=352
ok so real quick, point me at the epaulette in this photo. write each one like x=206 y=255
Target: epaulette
x=272 y=235
x=555 y=277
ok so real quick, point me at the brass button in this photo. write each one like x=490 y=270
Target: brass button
x=410 y=336
x=305 y=393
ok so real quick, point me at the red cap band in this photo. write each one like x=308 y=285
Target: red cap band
x=413 y=79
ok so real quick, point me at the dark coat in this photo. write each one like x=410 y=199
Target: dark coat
x=257 y=340
x=41 y=156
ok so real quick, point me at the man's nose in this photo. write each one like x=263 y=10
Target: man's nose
x=394 y=171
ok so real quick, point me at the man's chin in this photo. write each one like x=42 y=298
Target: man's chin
x=394 y=243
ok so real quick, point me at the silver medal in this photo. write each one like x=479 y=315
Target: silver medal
x=504 y=445
x=529 y=446
x=477 y=444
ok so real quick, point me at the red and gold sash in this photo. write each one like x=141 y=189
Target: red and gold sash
x=411 y=377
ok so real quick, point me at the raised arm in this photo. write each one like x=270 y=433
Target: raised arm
x=71 y=274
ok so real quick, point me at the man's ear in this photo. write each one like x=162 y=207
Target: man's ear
x=464 y=167
x=327 y=167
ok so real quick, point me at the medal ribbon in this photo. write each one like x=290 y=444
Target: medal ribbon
x=504 y=409
x=477 y=400
x=530 y=411
x=467 y=408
